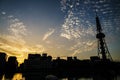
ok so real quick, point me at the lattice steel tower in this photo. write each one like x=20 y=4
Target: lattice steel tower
x=103 y=51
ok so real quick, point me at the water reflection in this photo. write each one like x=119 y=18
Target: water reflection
x=38 y=76
x=16 y=76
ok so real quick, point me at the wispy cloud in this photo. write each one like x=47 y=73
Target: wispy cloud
x=14 y=43
x=49 y=33
x=81 y=47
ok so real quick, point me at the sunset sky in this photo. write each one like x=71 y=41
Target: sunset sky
x=58 y=27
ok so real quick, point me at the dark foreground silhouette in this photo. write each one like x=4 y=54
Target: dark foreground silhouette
x=43 y=67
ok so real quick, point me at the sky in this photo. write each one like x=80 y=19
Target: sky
x=58 y=27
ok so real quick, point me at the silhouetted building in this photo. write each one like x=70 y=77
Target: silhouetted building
x=44 y=65
x=34 y=56
x=44 y=55
x=95 y=58
x=35 y=62
x=12 y=64
x=69 y=58
x=3 y=58
x=75 y=58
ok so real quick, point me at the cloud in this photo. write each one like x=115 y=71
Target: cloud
x=70 y=29
x=77 y=28
x=3 y=13
x=63 y=4
x=37 y=49
x=73 y=27
x=17 y=28
x=10 y=16
x=81 y=47
x=49 y=33
x=14 y=42
x=10 y=47
x=9 y=52
x=65 y=35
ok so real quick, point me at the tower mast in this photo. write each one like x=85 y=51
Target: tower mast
x=103 y=51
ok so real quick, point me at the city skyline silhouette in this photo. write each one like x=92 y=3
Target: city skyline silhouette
x=59 y=28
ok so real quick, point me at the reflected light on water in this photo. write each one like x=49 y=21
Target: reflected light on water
x=17 y=76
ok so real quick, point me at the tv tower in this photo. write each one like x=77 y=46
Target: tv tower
x=103 y=51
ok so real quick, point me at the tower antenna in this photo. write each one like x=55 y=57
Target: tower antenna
x=103 y=51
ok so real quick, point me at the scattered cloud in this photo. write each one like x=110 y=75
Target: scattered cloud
x=71 y=27
x=77 y=27
x=63 y=4
x=17 y=28
x=65 y=35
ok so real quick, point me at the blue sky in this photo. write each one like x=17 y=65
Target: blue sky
x=58 y=27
